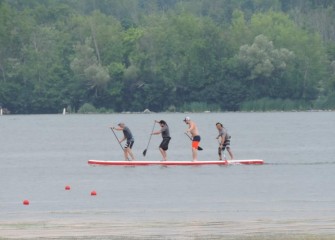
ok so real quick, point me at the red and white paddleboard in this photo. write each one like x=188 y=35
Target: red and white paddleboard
x=176 y=163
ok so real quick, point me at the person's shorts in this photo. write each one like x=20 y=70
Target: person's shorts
x=165 y=143
x=129 y=143
x=196 y=141
x=226 y=144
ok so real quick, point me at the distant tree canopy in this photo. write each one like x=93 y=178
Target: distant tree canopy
x=166 y=55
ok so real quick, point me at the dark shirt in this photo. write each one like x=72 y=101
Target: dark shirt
x=127 y=133
x=165 y=131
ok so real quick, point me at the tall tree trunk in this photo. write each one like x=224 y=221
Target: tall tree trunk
x=3 y=73
x=95 y=43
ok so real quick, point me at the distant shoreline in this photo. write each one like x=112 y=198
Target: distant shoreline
x=206 y=112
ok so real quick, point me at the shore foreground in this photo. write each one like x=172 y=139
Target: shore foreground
x=92 y=229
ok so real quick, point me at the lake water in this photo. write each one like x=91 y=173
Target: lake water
x=291 y=195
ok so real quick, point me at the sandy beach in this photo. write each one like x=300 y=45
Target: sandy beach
x=92 y=229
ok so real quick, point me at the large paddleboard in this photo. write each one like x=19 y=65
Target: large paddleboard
x=175 y=163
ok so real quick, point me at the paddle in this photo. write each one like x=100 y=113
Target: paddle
x=220 y=151
x=199 y=148
x=145 y=151
x=118 y=141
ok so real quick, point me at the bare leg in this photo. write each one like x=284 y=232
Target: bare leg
x=230 y=153
x=126 y=154
x=131 y=154
x=194 y=154
x=163 y=154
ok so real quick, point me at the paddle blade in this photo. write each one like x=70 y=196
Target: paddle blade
x=200 y=148
x=144 y=152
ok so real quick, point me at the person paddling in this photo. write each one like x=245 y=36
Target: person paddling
x=163 y=147
x=127 y=135
x=224 y=141
x=193 y=130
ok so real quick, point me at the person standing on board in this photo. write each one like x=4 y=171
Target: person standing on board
x=224 y=141
x=127 y=135
x=193 y=130
x=163 y=147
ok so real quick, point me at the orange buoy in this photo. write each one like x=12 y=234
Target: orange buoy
x=93 y=193
x=25 y=202
x=67 y=187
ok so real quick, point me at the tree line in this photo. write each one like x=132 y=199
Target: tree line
x=166 y=55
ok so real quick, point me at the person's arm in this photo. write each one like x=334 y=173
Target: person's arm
x=124 y=138
x=117 y=128
x=156 y=133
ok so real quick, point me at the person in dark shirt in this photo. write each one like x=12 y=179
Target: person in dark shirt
x=127 y=135
x=165 y=131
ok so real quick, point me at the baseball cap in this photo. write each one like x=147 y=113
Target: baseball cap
x=120 y=124
x=187 y=119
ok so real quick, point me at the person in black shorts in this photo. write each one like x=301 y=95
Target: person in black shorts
x=163 y=147
x=127 y=135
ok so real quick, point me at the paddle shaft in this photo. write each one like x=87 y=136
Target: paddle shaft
x=153 y=127
x=188 y=136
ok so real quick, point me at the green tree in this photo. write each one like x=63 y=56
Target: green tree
x=264 y=66
x=88 y=69
x=307 y=72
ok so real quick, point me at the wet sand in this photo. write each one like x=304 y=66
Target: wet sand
x=91 y=229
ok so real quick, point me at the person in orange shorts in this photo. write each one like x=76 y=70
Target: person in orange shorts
x=193 y=130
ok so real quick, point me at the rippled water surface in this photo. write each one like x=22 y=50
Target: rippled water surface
x=293 y=193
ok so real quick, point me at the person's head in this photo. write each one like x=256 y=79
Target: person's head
x=219 y=125
x=162 y=123
x=187 y=120
x=121 y=125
